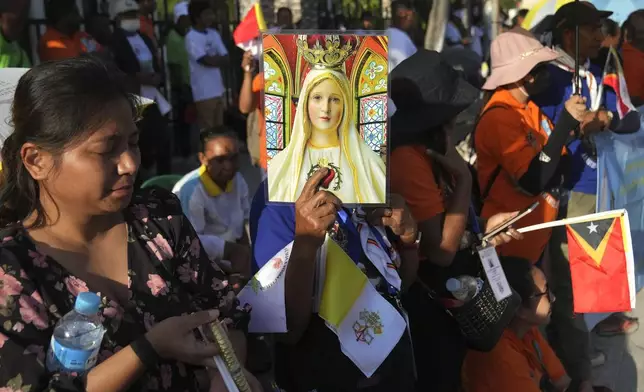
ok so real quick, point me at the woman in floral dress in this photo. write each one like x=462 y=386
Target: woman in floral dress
x=72 y=223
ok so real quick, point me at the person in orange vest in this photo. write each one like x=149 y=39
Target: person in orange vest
x=63 y=38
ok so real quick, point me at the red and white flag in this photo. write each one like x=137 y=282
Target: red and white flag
x=614 y=78
x=247 y=35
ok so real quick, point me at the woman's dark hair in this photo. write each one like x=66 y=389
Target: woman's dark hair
x=521 y=14
x=55 y=10
x=209 y=134
x=633 y=29
x=610 y=28
x=518 y=272
x=196 y=8
x=55 y=105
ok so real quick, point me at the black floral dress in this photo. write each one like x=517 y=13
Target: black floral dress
x=169 y=275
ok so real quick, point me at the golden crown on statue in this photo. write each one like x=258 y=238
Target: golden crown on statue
x=330 y=55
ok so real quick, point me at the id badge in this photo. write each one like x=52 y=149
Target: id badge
x=494 y=273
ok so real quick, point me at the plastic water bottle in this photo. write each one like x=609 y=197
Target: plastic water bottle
x=465 y=287
x=77 y=337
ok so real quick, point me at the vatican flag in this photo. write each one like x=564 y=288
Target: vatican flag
x=265 y=294
x=368 y=327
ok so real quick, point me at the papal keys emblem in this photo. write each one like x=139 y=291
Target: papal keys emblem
x=368 y=325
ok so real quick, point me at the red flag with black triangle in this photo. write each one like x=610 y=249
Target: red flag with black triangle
x=601 y=263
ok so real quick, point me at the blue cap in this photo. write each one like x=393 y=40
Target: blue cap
x=87 y=303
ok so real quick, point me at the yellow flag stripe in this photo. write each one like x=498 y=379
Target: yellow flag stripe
x=259 y=15
x=343 y=284
x=625 y=238
x=540 y=10
x=597 y=254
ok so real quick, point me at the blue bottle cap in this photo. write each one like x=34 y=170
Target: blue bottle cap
x=453 y=284
x=87 y=303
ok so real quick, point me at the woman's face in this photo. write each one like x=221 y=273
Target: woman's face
x=541 y=301
x=326 y=105
x=96 y=176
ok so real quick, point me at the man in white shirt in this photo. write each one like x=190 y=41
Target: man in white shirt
x=400 y=44
x=215 y=199
x=207 y=54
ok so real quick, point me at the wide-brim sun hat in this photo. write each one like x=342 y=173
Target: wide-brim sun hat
x=514 y=54
x=427 y=92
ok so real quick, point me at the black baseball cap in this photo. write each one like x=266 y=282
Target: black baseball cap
x=578 y=13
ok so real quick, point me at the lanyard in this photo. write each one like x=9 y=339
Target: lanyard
x=354 y=246
x=474 y=223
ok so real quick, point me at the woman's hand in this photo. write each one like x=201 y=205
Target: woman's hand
x=174 y=338
x=452 y=162
x=397 y=218
x=595 y=122
x=506 y=236
x=239 y=257
x=315 y=210
x=247 y=62
x=576 y=106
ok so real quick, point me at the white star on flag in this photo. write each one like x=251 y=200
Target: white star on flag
x=592 y=228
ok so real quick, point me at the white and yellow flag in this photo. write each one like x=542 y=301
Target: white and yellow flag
x=367 y=325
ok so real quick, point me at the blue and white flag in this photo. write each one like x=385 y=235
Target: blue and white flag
x=620 y=184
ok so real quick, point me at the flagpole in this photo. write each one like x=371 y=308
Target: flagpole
x=572 y=221
x=577 y=89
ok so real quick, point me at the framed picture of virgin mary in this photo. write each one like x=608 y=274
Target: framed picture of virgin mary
x=325 y=105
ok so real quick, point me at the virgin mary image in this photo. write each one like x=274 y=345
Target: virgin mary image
x=324 y=134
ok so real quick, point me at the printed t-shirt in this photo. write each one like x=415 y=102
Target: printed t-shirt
x=258 y=86
x=12 y=55
x=410 y=171
x=510 y=136
x=206 y=81
x=513 y=365
x=217 y=215
x=55 y=45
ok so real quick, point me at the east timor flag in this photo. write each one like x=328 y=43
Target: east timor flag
x=601 y=263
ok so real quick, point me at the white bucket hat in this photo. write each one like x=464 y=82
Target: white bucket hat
x=514 y=54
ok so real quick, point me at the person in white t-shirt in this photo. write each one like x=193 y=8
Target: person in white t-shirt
x=400 y=44
x=215 y=199
x=206 y=54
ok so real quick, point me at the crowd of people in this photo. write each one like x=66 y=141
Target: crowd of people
x=164 y=262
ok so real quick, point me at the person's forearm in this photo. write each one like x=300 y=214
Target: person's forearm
x=246 y=95
x=300 y=276
x=456 y=218
x=441 y=252
x=409 y=266
x=544 y=165
x=117 y=373
x=214 y=61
